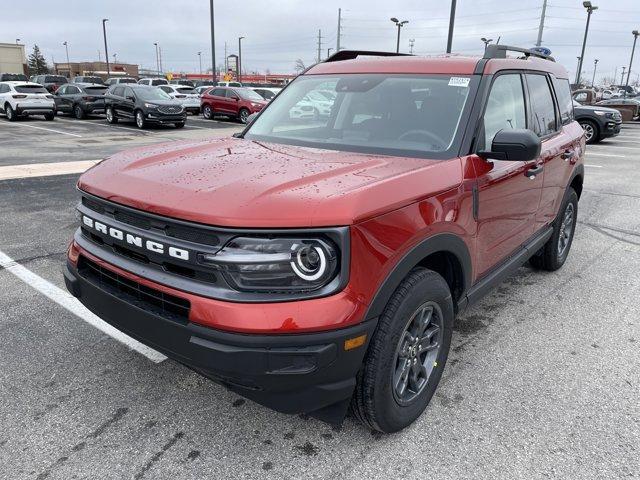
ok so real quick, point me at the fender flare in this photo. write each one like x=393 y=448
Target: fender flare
x=577 y=172
x=442 y=242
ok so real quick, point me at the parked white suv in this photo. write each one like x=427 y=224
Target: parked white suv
x=187 y=96
x=26 y=98
x=153 y=82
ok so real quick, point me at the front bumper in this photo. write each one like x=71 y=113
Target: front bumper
x=295 y=373
x=35 y=109
x=152 y=117
x=611 y=128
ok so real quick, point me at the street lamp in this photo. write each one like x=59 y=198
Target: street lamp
x=635 y=34
x=157 y=58
x=595 y=66
x=200 y=61
x=106 y=50
x=17 y=41
x=486 y=42
x=399 y=24
x=66 y=47
x=240 y=58
x=590 y=9
x=115 y=58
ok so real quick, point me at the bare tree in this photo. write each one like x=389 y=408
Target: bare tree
x=300 y=66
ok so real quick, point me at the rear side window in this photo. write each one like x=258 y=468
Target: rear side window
x=218 y=92
x=563 y=94
x=55 y=79
x=118 y=91
x=71 y=90
x=505 y=106
x=30 y=89
x=4 y=88
x=543 y=112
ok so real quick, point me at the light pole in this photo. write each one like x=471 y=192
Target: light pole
x=106 y=50
x=157 y=58
x=200 y=61
x=399 y=24
x=240 y=59
x=595 y=66
x=452 y=17
x=115 y=58
x=66 y=47
x=622 y=77
x=590 y=8
x=635 y=34
x=213 y=44
x=486 y=42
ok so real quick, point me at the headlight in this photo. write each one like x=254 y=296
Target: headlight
x=151 y=105
x=253 y=264
x=602 y=113
x=255 y=104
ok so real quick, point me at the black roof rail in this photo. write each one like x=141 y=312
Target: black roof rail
x=351 y=54
x=500 y=51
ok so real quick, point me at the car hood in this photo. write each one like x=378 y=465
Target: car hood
x=592 y=108
x=172 y=102
x=243 y=183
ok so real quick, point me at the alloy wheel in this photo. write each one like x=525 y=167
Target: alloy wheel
x=139 y=120
x=416 y=353
x=243 y=116
x=109 y=115
x=588 y=131
x=566 y=229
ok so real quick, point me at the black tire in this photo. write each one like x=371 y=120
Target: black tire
x=78 y=112
x=555 y=252
x=243 y=114
x=10 y=113
x=591 y=131
x=141 y=122
x=376 y=402
x=49 y=116
x=179 y=125
x=111 y=116
x=207 y=112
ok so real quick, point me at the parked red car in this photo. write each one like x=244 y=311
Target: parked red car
x=234 y=102
x=311 y=264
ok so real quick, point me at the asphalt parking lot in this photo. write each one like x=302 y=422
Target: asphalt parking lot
x=543 y=379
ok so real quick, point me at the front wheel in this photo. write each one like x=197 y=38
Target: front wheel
x=111 y=116
x=49 y=116
x=554 y=253
x=591 y=133
x=140 y=120
x=207 y=112
x=407 y=353
x=179 y=124
x=243 y=115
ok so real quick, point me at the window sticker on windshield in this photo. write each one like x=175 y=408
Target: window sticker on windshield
x=459 y=82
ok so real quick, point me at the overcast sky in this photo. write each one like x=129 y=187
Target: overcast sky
x=280 y=31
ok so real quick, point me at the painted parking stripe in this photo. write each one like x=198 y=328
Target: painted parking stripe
x=92 y=122
x=592 y=166
x=72 y=305
x=596 y=154
x=42 y=128
x=30 y=170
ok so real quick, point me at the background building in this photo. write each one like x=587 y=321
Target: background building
x=12 y=58
x=72 y=69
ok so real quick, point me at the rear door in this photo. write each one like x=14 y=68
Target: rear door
x=561 y=149
x=128 y=103
x=117 y=100
x=508 y=192
x=71 y=95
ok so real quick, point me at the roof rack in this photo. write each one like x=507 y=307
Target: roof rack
x=500 y=51
x=351 y=54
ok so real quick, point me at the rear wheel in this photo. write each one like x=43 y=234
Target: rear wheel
x=407 y=353
x=49 y=116
x=555 y=252
x=179 y=125
x=10 y=113
x=111 y=116
x=591 y=132
x=243 y=114
x=78 y=112
x=207 y=112
x=140 y=120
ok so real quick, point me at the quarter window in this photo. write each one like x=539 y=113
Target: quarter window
x=505 y=107
x=563 y=94
x=543 y=112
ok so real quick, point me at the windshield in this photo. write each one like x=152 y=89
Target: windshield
x=127 y=80
x=380 y=113
x=152 y=94
x=55 y=79
x=249 y=94
x=96 y=90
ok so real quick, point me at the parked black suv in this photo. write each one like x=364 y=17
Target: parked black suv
x=597 y=122
x=51 y=82
x=144 y=105
x=80 y=100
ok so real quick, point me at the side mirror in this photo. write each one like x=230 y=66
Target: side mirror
x=519 y=145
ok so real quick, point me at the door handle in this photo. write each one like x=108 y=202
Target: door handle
x=533 y=171
x=568 y=155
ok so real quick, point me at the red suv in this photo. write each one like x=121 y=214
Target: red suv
x=311 y=264
x=233 y=102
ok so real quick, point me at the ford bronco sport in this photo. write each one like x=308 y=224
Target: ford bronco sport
x=316 y=264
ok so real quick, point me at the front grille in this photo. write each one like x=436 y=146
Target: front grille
x=169 y=109
x=159 y=303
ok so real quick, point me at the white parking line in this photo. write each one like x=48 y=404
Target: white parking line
x=46 y=169
x=42 y=128
x=71 y=304
x=592 y=166
x=104 y=125
x=596 y=154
